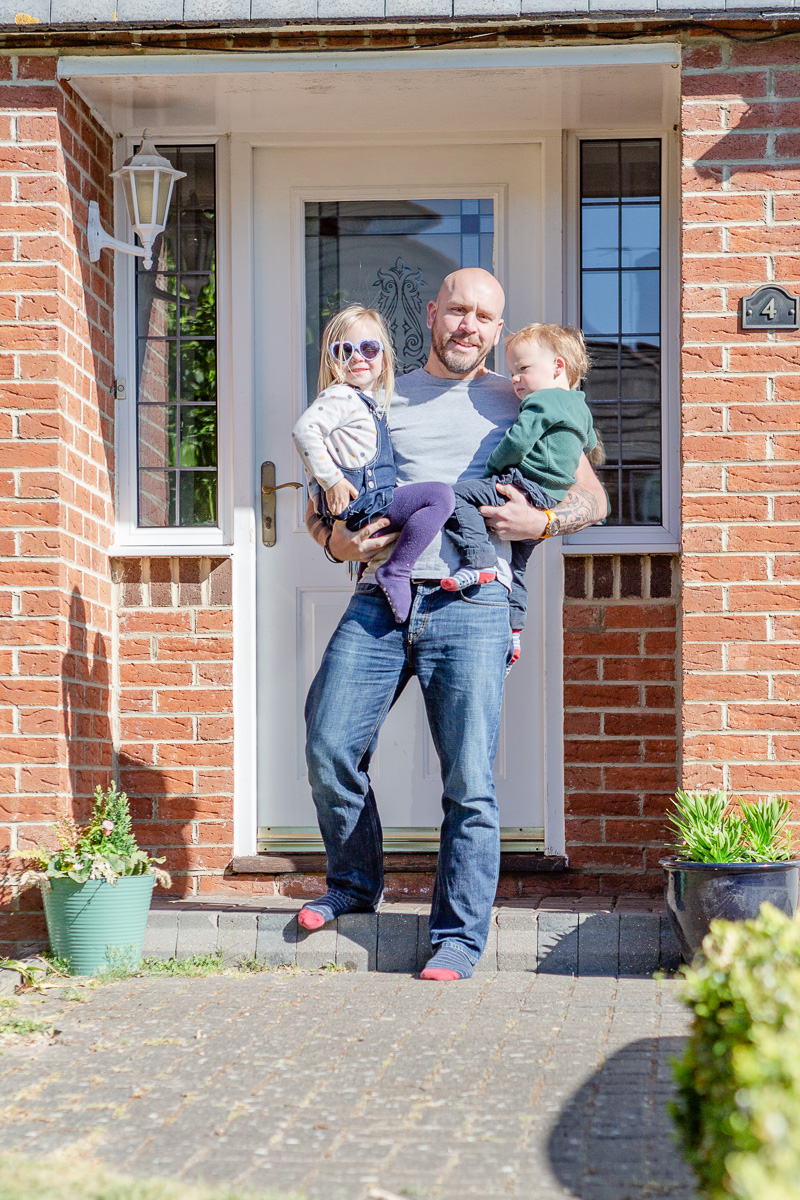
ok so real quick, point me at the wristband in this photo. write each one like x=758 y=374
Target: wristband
x=550 y=518
x=327 y=548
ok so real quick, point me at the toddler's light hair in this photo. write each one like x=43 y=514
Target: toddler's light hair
x=332 y=370
x=565 y=341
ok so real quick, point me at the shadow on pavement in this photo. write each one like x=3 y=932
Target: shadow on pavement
x=614 y=1138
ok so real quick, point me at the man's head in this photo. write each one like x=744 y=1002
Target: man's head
x=465 y=321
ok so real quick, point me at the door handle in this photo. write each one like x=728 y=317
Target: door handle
x=268 y=490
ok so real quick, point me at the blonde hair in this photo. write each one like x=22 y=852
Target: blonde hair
x=331 y=370
x=597 y=455
x=563 y=340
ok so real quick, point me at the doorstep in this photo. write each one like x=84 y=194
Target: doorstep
x=561 y=935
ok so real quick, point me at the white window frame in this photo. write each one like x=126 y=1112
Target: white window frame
x=131 y=539
x=637 y=539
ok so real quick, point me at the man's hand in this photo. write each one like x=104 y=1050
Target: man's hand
x=516 y=519
x=347 y=546
x=360 y=546
x=584 y=504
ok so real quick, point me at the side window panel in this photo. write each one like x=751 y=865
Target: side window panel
x=620 y=314
x=176 y=337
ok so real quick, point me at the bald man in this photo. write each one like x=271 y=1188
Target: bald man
x=445 y=420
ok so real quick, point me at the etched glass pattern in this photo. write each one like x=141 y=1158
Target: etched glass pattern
x=176 y=326
x=391 y=255
x=620 y=273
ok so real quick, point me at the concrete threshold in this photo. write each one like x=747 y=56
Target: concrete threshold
x=575 y=935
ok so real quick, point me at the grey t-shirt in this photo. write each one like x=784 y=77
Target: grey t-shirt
x=445 y=429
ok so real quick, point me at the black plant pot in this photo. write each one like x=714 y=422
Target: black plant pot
x=697 y=893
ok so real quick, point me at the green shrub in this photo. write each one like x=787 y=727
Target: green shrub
x=738 y=1107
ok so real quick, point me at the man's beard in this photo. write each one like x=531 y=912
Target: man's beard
x=457 y=362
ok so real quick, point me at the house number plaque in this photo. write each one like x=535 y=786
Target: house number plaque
x=770 y=307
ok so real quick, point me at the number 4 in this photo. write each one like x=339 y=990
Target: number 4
x=769 y=311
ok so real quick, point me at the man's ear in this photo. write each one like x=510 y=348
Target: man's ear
x=431 y=313
x=497 y=335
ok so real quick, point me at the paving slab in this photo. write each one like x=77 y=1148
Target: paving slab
x=316 y=949
x=357 y=942
x=197 y=933
x=598 y=943
x=237 y=934
x=161 y=935
x=277 y=938
x=558 y=943
x=398 y=933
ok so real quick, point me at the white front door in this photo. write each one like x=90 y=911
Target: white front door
x=382 y=226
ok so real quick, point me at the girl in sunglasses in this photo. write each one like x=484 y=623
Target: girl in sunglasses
x=343 y=440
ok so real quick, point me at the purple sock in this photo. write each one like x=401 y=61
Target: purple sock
x=418 y=510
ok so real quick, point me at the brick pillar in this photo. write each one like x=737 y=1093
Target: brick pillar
x=741 y=414
x=56 y=474
x=620 y=718
x=176 y=712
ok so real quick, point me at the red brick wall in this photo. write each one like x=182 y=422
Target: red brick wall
x=741 y=415
x=176 y=712
x=56 y=431
x=620 y=718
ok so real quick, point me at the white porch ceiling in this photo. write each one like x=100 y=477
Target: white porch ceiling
x=440 y=92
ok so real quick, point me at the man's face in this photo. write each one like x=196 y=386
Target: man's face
x=465 y=325
x=534 y=367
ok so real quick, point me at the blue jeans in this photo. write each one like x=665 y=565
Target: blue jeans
x=457 y=644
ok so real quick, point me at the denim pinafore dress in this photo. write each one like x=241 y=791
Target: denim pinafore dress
x=375 y=480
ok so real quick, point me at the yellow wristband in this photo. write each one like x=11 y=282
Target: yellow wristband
x=550 y=516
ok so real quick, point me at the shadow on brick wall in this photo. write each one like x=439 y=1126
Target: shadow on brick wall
x=86 y=727
x=86 y=701
x=614 y=1137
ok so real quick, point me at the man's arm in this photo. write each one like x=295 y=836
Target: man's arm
x=344 y=545
x=584 y=504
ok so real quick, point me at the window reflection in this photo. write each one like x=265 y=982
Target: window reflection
x=177 y=377
x=391 y=255
x=621 y=317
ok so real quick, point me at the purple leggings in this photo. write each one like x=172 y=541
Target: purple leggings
x=418 y=510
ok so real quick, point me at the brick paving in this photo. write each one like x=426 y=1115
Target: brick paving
x=338 y=1084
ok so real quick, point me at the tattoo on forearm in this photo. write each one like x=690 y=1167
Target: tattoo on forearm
x=578 y=509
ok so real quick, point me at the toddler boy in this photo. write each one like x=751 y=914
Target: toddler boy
x=539 y=455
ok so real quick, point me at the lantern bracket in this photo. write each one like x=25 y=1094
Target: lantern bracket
x=98 y=239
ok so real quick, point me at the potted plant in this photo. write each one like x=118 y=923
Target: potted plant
x=729 y=858
x=97 y=886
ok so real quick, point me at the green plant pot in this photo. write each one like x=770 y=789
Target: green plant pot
x=97 y=924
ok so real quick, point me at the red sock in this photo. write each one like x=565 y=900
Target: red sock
x=440 y=974
x=310 y=919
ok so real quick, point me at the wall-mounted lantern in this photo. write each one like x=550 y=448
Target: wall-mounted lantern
x=147 y=182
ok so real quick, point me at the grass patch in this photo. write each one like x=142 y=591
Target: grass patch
x=193 y=965
x=11 y=1024
x=62 y=1178
x=24 y=1025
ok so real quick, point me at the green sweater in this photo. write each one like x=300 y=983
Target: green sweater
x=545 y=442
